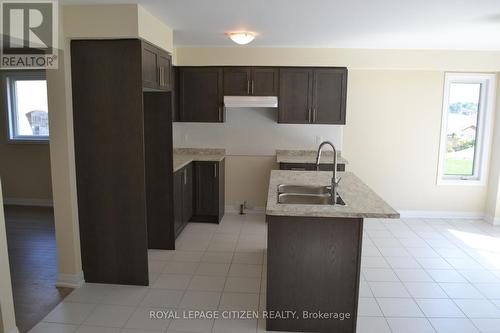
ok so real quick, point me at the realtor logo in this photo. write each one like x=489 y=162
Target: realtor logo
x=28 y=34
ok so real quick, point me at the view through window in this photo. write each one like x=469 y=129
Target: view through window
x=461 y=132
x=465 y=125
x=27 y=106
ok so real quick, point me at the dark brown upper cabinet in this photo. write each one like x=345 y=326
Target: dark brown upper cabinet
x=251 y=81
x=200 y=94
x=312 y=95
x=329 y=88
x=237 y=81
x=265 y=81
x=156 y=68
x=294 y=101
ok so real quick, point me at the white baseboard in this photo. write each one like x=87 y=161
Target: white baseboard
x=492 y=220
x=432 y=214
x=28 y=202
x=230 y=209
x=70 y=280
x=14 y=330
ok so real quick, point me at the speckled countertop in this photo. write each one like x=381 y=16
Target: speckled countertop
x=361 y=201
x=307 y=156
x=184 y=156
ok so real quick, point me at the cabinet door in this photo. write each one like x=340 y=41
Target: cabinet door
x=164 y=71
x=295 y=95
x=200 y=94
x=329 y=95
x=264 y=81
x=187 y=193
x=149 y=66
x=178 y=201
x=237 y=81
x=206 y=196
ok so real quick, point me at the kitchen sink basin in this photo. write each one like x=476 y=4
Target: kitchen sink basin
x=303 y=189
x=308 y=199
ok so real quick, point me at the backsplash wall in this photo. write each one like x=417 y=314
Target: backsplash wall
x=254 y=131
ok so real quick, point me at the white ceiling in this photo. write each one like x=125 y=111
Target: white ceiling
x=388 y=24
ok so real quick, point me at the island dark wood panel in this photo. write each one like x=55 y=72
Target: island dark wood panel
x=310 y=166
x=314 y=266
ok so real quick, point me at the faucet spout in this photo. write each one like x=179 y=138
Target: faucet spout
x=335 y=183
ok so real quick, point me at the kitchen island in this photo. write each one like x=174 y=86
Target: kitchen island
x=314 y=253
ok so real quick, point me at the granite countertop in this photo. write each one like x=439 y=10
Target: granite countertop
x=361 y=201
x=184 y=156
x=307 y=156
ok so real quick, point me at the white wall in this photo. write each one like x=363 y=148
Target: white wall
x=438 y=60
x=392 y=141
x=7 y=316
x=116 y=21
x=393 y=126
x=254 y=131
x=493 y=194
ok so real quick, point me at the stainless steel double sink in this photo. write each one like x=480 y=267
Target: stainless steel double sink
x=307 y=195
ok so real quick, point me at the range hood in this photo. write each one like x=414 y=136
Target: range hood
x=251 y=101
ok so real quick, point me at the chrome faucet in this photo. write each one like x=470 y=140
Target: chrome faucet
x=335 y=182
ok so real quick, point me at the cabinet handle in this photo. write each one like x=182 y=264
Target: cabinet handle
x=248 y=87
x=185 y=177
x=162 y=76
x=252 y=86
x=159 y=75
x=220 y=113
x=314 y=115
x=215 y=170
x=309 y=115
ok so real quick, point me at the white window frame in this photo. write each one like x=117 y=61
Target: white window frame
x=484 y=128
x=11 y=108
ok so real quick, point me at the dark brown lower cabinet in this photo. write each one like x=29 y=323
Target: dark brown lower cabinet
x=208 y=204
x=178 y=202
x=183 y=197
x=313 y=266
x=310 y=167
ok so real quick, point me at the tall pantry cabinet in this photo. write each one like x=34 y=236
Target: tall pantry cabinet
x=122 y=119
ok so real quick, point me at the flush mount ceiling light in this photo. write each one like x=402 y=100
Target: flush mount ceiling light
x=241 y=37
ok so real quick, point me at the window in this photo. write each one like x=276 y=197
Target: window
x=466 y=128
x=27 y=110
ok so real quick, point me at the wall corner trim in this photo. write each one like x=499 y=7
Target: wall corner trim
x=70 y=280
x=28 y=202
x=492 y=220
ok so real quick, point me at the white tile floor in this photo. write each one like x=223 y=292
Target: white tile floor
x=418 y=276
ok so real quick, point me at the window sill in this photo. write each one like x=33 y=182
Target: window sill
x=461 y=182
x=28 y=141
